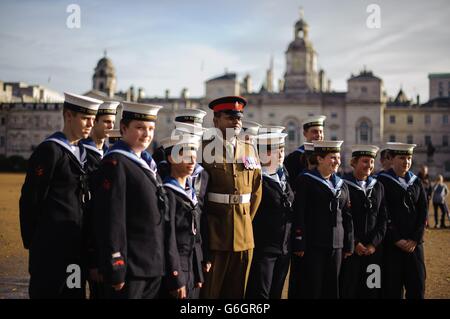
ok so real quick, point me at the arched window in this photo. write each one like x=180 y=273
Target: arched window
x=292 y=132
x=364 y=132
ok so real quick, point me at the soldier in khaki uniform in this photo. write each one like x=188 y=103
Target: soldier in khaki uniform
x=233 y=196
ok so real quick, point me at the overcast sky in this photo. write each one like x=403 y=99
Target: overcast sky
x=175 y=44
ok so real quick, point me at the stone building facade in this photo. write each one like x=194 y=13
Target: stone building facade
x=362 y=114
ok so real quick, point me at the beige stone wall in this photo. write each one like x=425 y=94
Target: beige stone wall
x=439 y=87
x=219 y=88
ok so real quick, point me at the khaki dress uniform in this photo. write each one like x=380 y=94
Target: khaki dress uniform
x=233 y=195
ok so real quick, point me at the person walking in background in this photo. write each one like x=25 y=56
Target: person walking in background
x=426 y=183
x=440 y=192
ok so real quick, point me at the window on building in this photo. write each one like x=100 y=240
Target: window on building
x=292 y=132
x=409 y=139
x=250 y=115
x=445 y=140
x=334 y=137
x=334 y=115
x=364 y=132
x=363 y=89
x=2 y=141
x=445 y=119
x=392 y=119
x=409 y=119
x=427 y=118
x=427 y=139
x=3 y=120
x=271 y=115
x=392 y=138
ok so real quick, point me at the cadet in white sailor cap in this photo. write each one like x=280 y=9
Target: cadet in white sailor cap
x=249 y=131
x=385 y=158
x=323 y=231
x=193 y=116
x=131 y=212
x=272 y=222
x=187 y=128
x=52 y=202
x=181 y=152
x=312 y=131
x=114 y=136
x=104 y=123
x=404 y=266
x=271 y=129
x=96 y=147
x=369 y=217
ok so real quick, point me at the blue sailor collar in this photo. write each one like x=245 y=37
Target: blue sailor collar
x=334 y=179
x=197 y=170
x=351 y=180
x=90 y=145
x=409 y=178
x=145 y=161
x=60 y=139
x=301 y=149
x=187 y=192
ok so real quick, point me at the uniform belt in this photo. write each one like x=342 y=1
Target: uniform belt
x=229 y=198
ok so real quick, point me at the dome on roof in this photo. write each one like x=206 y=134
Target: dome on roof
x=301 y=24
x=297 y=44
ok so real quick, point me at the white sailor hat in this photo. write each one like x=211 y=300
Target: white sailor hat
x=401 y=148
x=271 y=140
x=327 y=146
x=194 y=116
x=114 y=135
x=365 y=150
x=309 y=147
x=271 y=129
x=139 y=111
x=108 y=108
x=313 y=121
x=250 y=127
x=81 y=104
x=187 y=128
x=175 y=143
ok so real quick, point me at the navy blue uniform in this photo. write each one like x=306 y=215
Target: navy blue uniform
x=407 y=213
x=272 y=233
x=132 y=224
x=295 y=163
x=369 y=217
x=185 y=220
x=51 y=216
x=94 y=157
x=323 y=229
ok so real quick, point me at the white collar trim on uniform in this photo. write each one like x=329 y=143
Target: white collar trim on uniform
x=94 y=149
x=368 y=186
x=404 y=186
x=81 y=160
x=134 y=158
x=334 y=190
x=179 y=191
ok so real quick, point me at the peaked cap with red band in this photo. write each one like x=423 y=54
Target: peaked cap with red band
x=233 y=105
